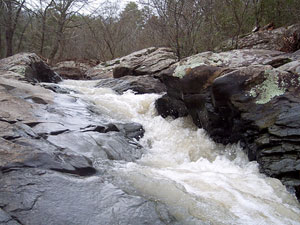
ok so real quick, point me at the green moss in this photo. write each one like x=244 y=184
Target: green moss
x=268 y=89
x=180 y=71
x=19 y=69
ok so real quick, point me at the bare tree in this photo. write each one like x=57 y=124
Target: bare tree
x=239 y=9
x=11 y=13
x=179 y=21
x=63 y=11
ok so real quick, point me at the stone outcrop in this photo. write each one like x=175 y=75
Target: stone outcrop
x=271 y=39
x=148 y=61
x=72 y=69
x=246 y=96
x=139 y=84
x=29 y=67
x=232 y=59
x=56 y=157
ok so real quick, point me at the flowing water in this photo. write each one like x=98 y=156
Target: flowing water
x=200 y=182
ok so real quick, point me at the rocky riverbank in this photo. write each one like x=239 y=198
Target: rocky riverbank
x=58 y=151
x=57 y=155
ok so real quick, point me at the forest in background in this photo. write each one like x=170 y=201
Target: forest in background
x=70 y=29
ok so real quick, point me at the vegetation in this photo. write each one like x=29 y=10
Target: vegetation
x=65 y=29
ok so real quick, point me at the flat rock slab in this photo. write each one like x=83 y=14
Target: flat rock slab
x=37 y=197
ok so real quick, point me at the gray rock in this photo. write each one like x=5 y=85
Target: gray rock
x=139 y=84
x=148 y=61
x=37 y=196
x=271 y=39
x=56 y=162
x=6 y=219
x=231 y=59
x=72 y=69
x=29 y=67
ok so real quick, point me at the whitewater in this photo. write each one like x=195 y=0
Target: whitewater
x=201 y=182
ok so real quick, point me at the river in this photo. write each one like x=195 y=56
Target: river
x=201 y=182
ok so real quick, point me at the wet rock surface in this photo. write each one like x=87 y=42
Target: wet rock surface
x=44 y=197
x=246 y=100
x=57 y=157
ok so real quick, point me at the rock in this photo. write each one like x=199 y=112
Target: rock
x=37 y=196
x=231 y=59
x=16 y=156
x=148 y=61
x=131 y=130
x=168 y=106
x=251 y=102
x=140 y=85
x=263 y=39
x=72 y=69
x=293 y=67
x=56 y=153
x=29 y=67
x=7 y=219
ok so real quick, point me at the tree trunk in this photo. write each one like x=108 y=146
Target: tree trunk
x=1 y=42
x=9 y=30
x=43 y=34
x=9 y=42
x=59 y=37
x=22 y=36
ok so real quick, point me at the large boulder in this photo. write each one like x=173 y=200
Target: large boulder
x=232 y=59
x=148 y=61
x=29 y=67
x=139 y=84
x=252 y=102
x=72 y=69
x=271 y=39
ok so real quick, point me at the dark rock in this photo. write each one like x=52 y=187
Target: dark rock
x=56 y=88
x=132 y=130
x=30 y=67
x=256 y=105
x=140 y=84
x=168 y=106
x=121 y=71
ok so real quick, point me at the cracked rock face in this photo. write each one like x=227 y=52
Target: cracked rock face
x=45 y=197
x=150 y=61
x=57 y=156
x=254 y=101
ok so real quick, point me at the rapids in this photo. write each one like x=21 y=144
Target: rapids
x=200 y=181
